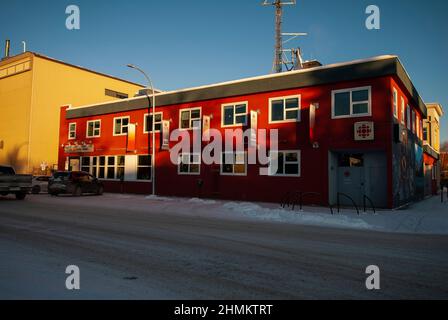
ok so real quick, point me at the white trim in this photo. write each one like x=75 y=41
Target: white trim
x=233 y=169
x=145 y=131
x=70 y=131
x=189 y=109
x=402 y=111
x=189 y=164
x=284 y=98
x=234 y=104
x=299 y=163
x=395 y=102
x=351 y=115
x=113 y=129
x=87 y=128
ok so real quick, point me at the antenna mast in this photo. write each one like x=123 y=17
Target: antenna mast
x=279 y=52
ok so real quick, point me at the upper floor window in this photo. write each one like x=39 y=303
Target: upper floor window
x=395 y=102
x=284 y=109
x=413 y=121
x=189 y=118
x=72 y=131
x=287 y=163
x=121 y=126
x=408 y=117
x=234 y=163
x=354 y=102
x=402 y=110
x=93 y=129
x=157 y=123
x=234 y=114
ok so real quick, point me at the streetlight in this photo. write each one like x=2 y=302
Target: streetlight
x=153 y=157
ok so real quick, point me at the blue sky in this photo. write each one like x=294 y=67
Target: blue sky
x=188 y=43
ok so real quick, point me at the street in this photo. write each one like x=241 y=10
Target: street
x=126 y=251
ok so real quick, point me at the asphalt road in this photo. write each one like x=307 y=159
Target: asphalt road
x=140 y=254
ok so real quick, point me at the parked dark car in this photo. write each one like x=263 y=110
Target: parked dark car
x=12 y=183
x=75 y=183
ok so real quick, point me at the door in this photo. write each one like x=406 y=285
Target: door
x=350 y=177
x=74 y=164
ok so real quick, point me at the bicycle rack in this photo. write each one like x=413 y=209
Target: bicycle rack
x=370 y=201
x=348 y=197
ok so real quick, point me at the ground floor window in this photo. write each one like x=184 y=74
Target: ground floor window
x=189 y=163
x=287 y=163
x=144 y=167
x=104 y=167
x=234 y=163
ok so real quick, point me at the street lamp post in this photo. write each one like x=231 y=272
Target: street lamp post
x=153 y=157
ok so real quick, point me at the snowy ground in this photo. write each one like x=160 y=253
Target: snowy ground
x=137 y=247
x=427 y=217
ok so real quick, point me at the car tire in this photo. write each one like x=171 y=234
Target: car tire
x=77 y=192
x=35 y=190
x=100 y=190
x=53 y=194
x=20 y=195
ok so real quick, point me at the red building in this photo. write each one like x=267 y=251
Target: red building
x=352 y=128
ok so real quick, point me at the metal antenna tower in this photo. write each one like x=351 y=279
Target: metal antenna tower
x=279 y=52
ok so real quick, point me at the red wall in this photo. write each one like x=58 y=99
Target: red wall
x=331 y=134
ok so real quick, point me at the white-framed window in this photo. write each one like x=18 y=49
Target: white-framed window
x=104 y=167
x=148 y=122
x=188 y=118
x=284 y=109
x=121 y=126
x=189 y=163
x=395 y=102
x=144 y=167
x=93 y=129
x=402 y=110
x=354 y=102
x=408 y=117
x=288 y=163
x=234 y=114
x=72 y=131
x=413 y=121
x=234 y=163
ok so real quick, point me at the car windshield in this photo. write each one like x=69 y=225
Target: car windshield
x=6 y=171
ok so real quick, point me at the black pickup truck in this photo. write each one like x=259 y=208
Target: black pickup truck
x=12 y=183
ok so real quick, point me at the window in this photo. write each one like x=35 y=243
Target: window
x=402 y=110
x=115 y=94
x=93 y=129
x=157 y=124
x=189 y=118
x=72 y=131
x=284 y=109
x=425 y=133
x=189 y=163
x=408 y=117
x=144 y=167
x=351 y=160
x=104 y=167
x=121 y=126
x=413 y=121
x=234 y=114
x=234 y=163
x=288 y=163
x=351 y=103
x=395 y=102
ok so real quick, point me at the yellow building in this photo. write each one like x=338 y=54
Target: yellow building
x=33 y=87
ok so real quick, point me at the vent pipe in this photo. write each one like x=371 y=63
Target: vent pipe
x=7 y=47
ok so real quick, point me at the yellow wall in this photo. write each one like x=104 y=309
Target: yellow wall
x=33 y=110
x=15 y=99
x=435 y=112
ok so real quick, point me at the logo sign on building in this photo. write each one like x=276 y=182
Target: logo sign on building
x=165 y=135
x=206 y=128
x=131 y=144
x=77 y=148
x=253 y=127
x=364 y=131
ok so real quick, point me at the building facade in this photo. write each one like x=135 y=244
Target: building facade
x=353 y=129
x=431 y=144
x=32 y=89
